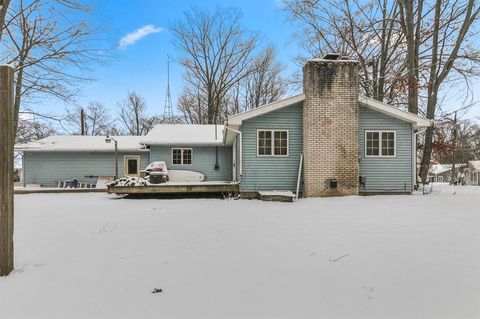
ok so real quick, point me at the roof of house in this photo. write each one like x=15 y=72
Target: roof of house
x=417 y=121
x=439 y=168
x=80 y=143
x=442 y=168
x=475 y=165
x=184 y=134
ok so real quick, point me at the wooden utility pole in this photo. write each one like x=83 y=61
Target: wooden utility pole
x=7 y=140
x=454 y=146
x=82 y=121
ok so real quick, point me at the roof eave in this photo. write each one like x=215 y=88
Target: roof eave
x=151 y=143
x=415 y=120
x=237 y=119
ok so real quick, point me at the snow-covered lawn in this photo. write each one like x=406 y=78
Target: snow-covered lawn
x=93 y=256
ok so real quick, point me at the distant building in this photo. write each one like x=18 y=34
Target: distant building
x=473 y=173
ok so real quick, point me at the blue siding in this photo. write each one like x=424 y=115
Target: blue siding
x=386 y=174
x=203 y=160
x=272 y=173
x=47 y=168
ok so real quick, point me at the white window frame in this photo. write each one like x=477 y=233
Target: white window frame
x=273 y=142
x=125 y=164
x=181 y=155
x=380 y=143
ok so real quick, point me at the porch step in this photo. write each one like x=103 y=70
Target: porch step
x=277 y=196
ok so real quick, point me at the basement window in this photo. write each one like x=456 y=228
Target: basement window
x=182 y=156
x=380 y=144
x=272 y=143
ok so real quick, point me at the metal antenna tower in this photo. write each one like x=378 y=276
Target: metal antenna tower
x=168 y=109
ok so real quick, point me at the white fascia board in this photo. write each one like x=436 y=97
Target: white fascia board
x=182 y=143
x=236 y=120
x=416 y=120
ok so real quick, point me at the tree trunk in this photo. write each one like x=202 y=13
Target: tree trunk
x=6 y=170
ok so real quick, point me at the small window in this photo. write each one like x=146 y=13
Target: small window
x=380 y=143
x=272 y=143
x=181 y=156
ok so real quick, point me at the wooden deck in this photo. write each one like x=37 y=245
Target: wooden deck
x=177 y=188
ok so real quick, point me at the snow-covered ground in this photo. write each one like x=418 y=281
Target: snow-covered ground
x=92 y=256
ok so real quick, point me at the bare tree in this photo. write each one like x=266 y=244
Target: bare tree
x=406 y=49
x=96 y=119
x=49 y=50
x=265 y=84
x=4 y=4
x=444 y=54
x=367 y=31
x=217 y=54
x=132 y=115
x=32 y=130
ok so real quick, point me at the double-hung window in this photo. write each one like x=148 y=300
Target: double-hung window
x=272 y=143
x=380 y=144
x=181 y=156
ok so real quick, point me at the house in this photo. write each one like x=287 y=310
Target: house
x=442 y=173
x=473 y=177
x=347 y=144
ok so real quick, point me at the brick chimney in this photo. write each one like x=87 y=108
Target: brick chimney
x=330 y=127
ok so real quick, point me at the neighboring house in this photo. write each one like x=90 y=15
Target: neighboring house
x=442 y=173
x=349 y=144
x=473 y=173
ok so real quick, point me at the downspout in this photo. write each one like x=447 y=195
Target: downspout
x=414 y=154
x=23 y=170
x=240 y=146
x=299 y=175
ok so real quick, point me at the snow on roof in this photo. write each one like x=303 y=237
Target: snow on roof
x=81 y=143
x=439 y=168
x=442 y=168
x=475 y=165
x=416 y=120
x=184 y=134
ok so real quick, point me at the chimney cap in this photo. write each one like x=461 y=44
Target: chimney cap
x=331 y=56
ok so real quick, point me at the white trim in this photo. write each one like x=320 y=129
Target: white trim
x=380 y=143
x=126 y=158
x=417 y=121
x=234 y=160
x=237 y=119
x=381 y=107
x=181 y=155
x=273 y=142
x=240 y=140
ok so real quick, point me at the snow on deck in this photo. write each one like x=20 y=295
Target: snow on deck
x=94 y=256
x=184 y=134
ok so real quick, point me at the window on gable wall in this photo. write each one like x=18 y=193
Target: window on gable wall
x=181 y=156
x=380 y=144
x=272 y=143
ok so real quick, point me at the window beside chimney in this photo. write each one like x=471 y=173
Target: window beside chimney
x=380 y=144
x=272 y=143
